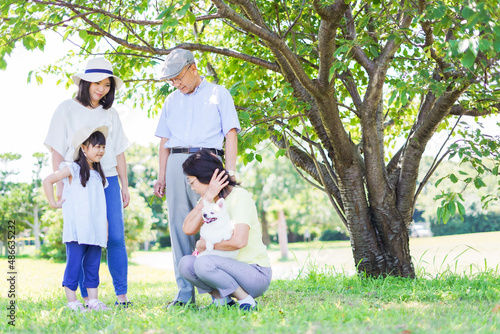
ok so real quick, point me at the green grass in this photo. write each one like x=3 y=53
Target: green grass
x=316 y=244
x=321 y=302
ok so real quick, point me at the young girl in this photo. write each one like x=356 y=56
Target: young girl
x=84 y=212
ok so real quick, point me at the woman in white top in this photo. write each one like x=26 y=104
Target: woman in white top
x=93 y=107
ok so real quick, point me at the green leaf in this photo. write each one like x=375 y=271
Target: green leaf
x=280 y=153
x=446 y=216
x=164 y=25
x=438 y=182
x=496 y=45
x=468 y=59
x=461 y=210
x=403 y=97
x=181 y=12
x=29 y=43
x=451 y=208
x=439 y=213
x=164 y=13
x=484 y=45
x=258 y=157
x=250 y=157
x=467 y=12
x=479 y=183
x=393 y=96
x=83 y=34
x=453 y=178
x=191 y=18
x=478 y=153
x=66 y=34
x=440 y=11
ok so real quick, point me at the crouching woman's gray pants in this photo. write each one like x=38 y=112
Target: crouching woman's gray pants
x=212 y=272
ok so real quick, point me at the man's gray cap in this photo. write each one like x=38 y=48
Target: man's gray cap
x=175 y=62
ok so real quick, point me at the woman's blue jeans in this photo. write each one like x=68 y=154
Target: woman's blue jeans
x=116 y=250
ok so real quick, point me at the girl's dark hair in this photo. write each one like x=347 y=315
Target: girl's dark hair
x=84 y=94
x=202 y=165
x=96 y=138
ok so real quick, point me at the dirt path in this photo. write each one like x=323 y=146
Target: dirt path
x=457 y=253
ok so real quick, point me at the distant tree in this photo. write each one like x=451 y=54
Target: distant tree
x=457 y=183
x=469 y=223
x=35 y=203
x=53 y=246
x=21 y=201
x=277 y=186
x=5 y=160
x=142 y=166
x=11 y=197
x=12 y=201
x=138 y=222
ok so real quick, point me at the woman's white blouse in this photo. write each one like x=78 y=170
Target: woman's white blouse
x=70 y=116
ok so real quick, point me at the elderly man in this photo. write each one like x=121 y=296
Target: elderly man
x=197 y=115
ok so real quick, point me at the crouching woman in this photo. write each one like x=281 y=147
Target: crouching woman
x=245 y=278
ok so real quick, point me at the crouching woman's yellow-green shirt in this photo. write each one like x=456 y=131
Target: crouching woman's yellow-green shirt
x=241 y=208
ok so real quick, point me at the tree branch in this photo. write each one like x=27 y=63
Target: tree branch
x=372 y=120
x=457 y=110
x=299 y=15
x=230 y=53
x=273 y=41
x=45 y=27
x=391 y=47
x=330 y=20
x=93 y=10
x=305 y=162
x=349 y=83
x=416 y=145
x=429 y=41
x=434 y=165
x=208 y=17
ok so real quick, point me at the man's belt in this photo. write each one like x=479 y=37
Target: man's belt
x=196 y=149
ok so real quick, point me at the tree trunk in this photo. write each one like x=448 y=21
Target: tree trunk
x=381 y=250
x=283 y=235
x=36 y=227
x=379 y=236
x=5 y=245
x=265 y=228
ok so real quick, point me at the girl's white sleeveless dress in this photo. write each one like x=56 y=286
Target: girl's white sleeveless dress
x=84 y=208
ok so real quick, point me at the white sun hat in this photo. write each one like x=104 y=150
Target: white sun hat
x=97 y=69
x=81 y=136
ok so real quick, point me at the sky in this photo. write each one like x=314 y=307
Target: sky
x=26 y=108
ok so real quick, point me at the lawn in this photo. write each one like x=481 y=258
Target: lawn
x=318 y=302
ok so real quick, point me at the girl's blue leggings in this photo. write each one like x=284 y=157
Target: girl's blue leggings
x=116 y=251
x=82 y=258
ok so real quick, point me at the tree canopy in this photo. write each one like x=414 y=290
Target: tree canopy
x=332 y=83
